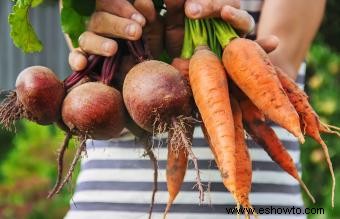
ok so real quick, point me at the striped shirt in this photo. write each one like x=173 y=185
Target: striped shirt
x=116 y=180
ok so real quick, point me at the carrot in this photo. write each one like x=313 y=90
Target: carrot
x=209 y=84
x=250 y=68
x=265 y=136
x=310 y=121
x=243 y=161
x=177 y=163
x=182 y=65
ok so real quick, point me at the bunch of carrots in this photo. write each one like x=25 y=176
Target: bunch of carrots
x=224 y=81
x=237 y=90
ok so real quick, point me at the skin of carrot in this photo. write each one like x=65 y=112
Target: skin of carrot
x=243 y=161
x=251 y=70
x=266 y=137
x=310 y=122
x=209 y=84
x=182 y=65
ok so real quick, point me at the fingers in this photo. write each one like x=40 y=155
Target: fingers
x=121 y=8
x=174 y=27
x=95 y=44
x=106 y=24
x=269 y=43
x=239 y=19
x=147 y=9
x=77 y=60
x=207 y=8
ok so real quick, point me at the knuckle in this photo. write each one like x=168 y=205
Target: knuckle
x=95 y=20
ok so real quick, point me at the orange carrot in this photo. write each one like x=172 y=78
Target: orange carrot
x=210 y=90
x=310 y=121
x=176 y=167
x=182 y=65
x=243 y=162
x=250 y=68
x=265 y=136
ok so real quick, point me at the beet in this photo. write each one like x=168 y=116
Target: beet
x=38 y=97
x=155 y=91
x=94 y=110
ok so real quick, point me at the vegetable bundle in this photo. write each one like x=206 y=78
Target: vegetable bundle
x=224 y=81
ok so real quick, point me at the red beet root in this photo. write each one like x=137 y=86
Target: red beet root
x=38 y=97
x=156 y=92
x=94 y=110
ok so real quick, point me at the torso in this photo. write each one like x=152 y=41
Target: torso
x=116 y=180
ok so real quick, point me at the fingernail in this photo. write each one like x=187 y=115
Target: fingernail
x=194 y=9
x=131 y=29
x=108 y=47
x=138 y=18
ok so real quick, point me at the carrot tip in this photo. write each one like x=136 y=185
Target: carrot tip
x=301 y=139
x=305 y=188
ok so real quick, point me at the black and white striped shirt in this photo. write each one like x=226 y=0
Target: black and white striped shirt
x=116 y=180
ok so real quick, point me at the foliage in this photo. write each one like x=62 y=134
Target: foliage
x=22 y=32
x=29 y=172
x=324 y=89
x=330 y=32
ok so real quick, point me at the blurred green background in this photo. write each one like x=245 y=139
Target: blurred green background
x=27 y=160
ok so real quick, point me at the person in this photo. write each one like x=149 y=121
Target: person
x=116 y=181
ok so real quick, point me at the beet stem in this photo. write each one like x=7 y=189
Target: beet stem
x=76 y=76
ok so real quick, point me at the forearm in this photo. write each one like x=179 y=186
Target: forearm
x=295 y=22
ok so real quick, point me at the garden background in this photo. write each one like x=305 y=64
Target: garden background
x=27 y=160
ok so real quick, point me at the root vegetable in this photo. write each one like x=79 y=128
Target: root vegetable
x=310 y=121
x=38 y=97
x=210 y=90
x=94 y=110
x=154 y=93
x=250 y=68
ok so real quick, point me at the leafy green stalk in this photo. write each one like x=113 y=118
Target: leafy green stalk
x=224 y=32
x=188 y=45
x=213 y=42
x=21 y=30
x=198 y=33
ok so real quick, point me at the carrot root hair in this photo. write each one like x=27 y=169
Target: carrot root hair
x=330 y=166
x=305 y=188
x=325 y=128
x=60 y=163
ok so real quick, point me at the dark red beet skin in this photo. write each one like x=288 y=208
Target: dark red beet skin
x=41 y=93
x=94 y=110
x=154 y=88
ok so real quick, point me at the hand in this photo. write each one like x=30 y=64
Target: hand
x=113 y=18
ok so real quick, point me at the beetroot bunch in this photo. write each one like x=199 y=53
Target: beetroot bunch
x=103 y=99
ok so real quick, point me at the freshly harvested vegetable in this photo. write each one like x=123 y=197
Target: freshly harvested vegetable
x=177 y=163
x=154 y=93
x=243 y=161
x=265 y=136
x=209 y=85
x=310 y=122
x=38 y=97
x=182 y=65
x=250 y=68
x=94 y=110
